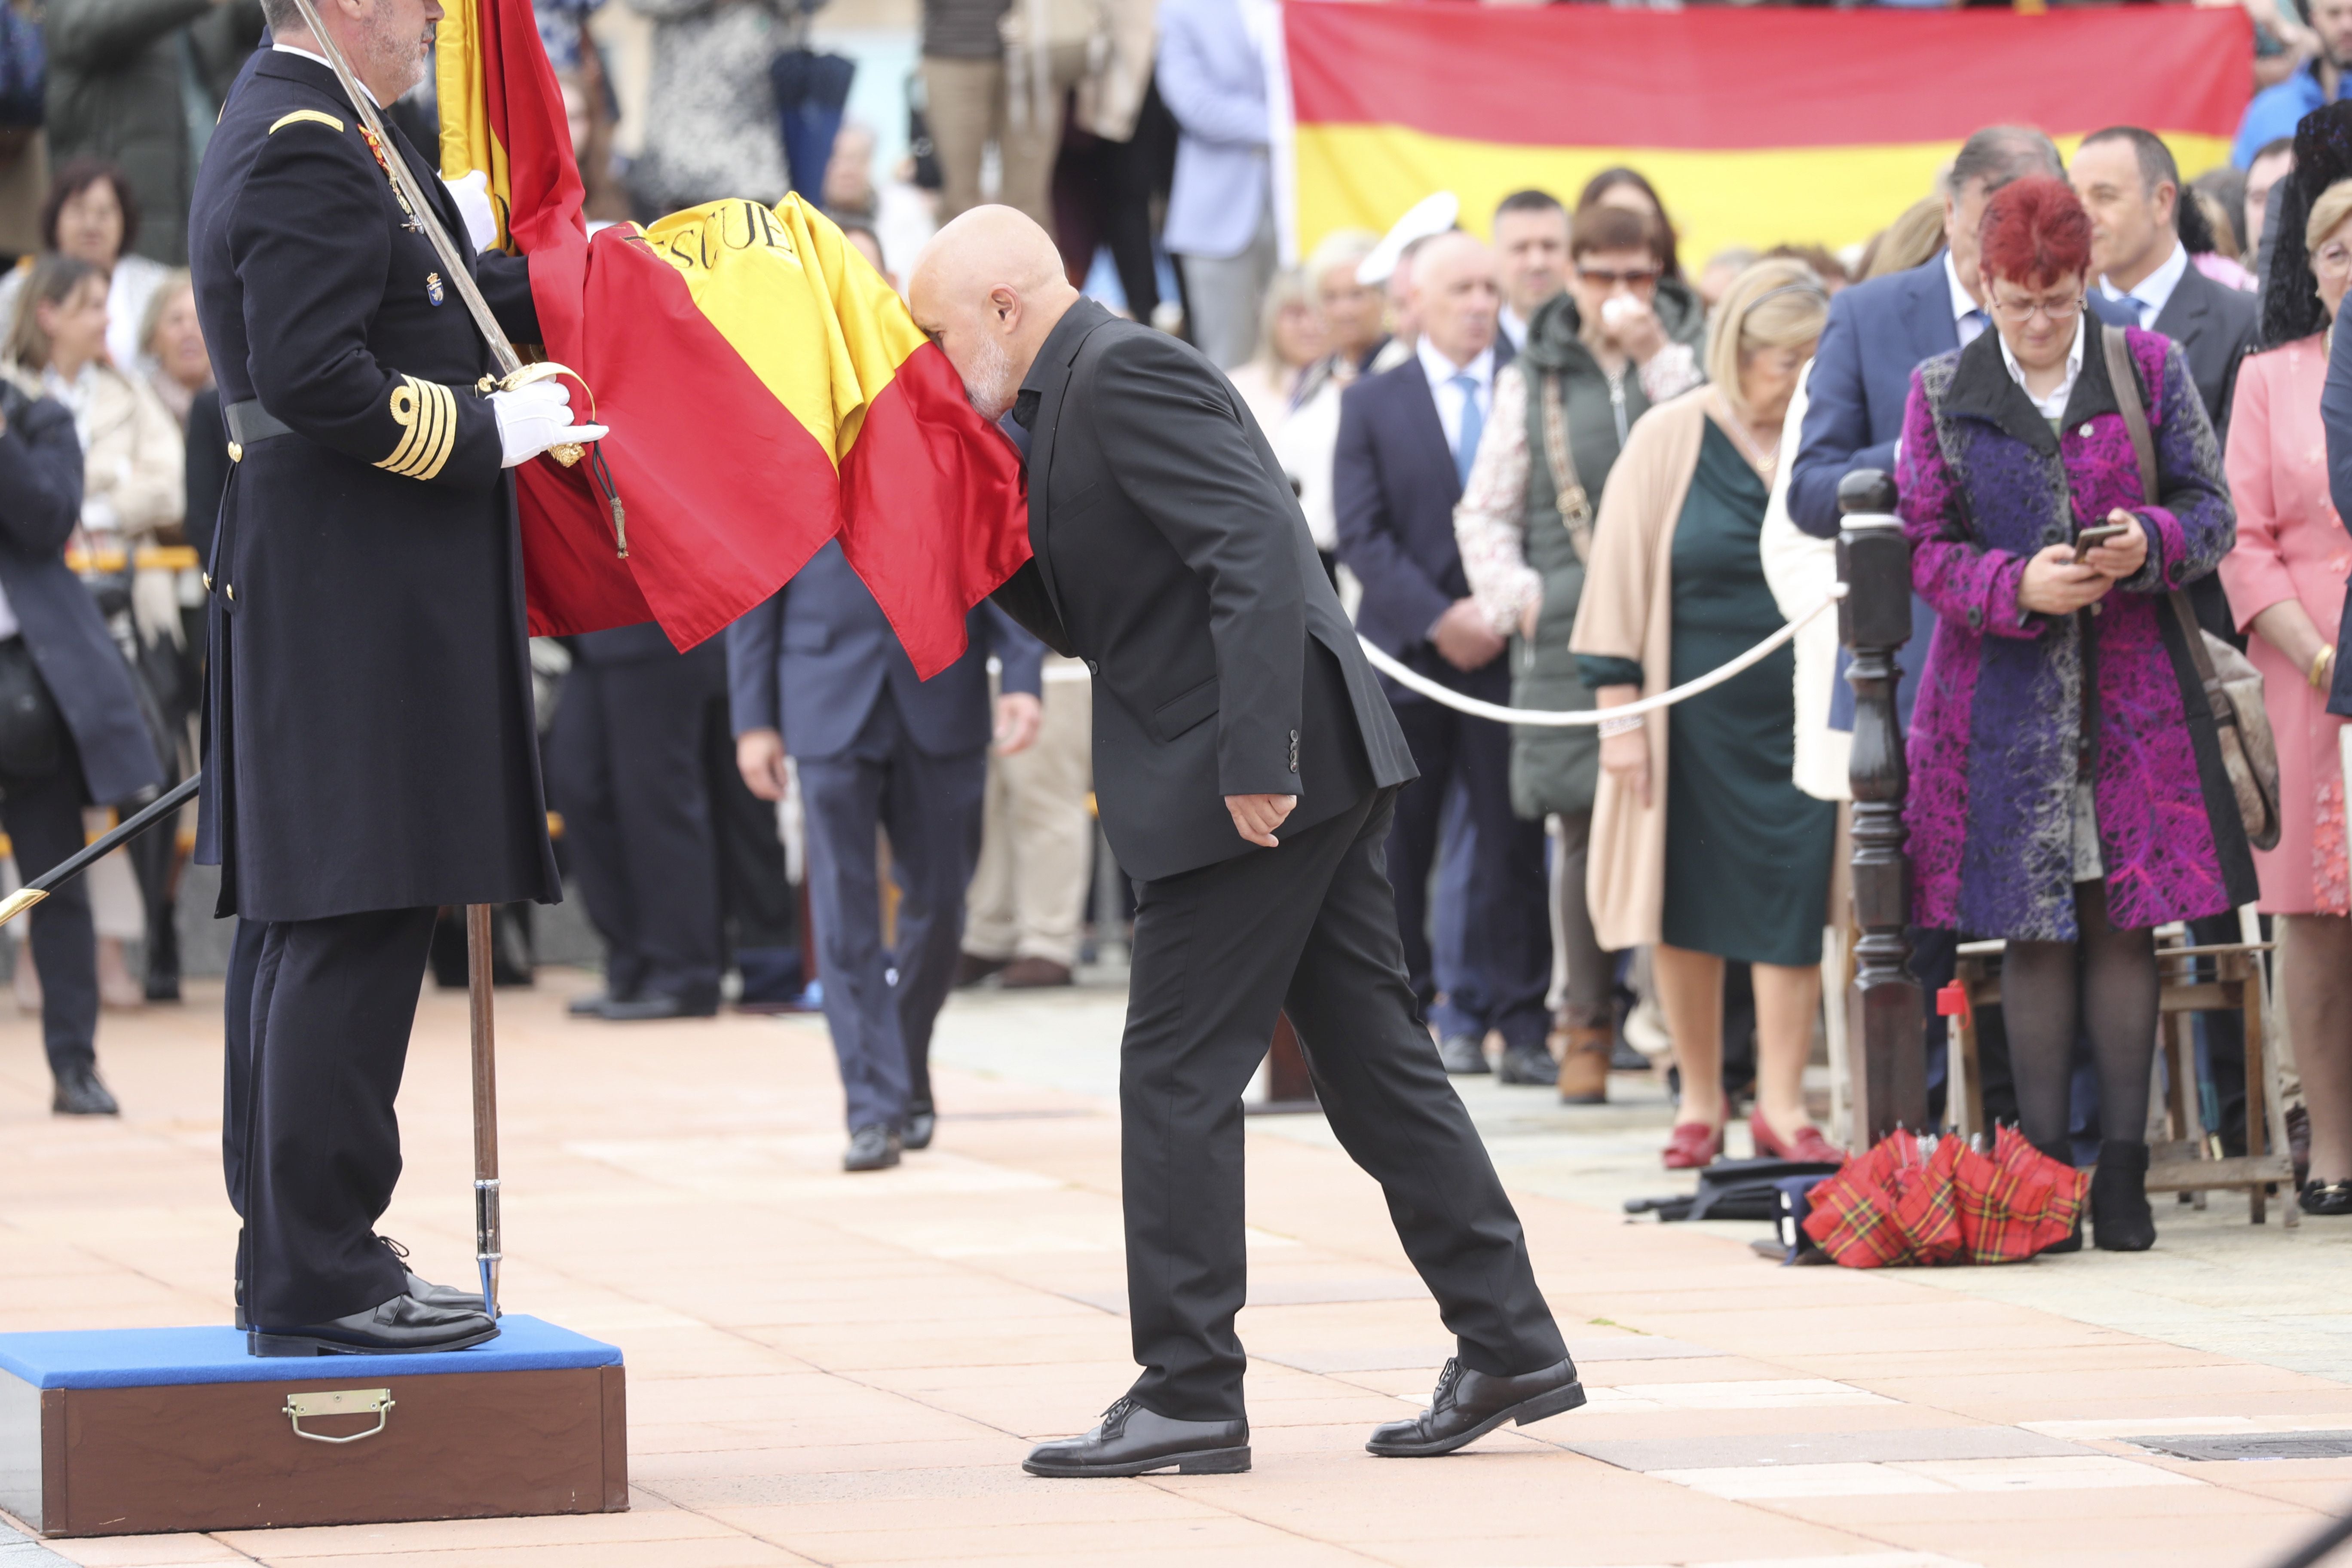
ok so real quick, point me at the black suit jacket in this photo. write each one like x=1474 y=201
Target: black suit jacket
x=1172 y=557
x=2215 y=326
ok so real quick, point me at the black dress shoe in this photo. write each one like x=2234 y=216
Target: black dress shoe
x=922 y=1123
x=874 y=1147
x=1132 y=1441
x=2121 y=1220
x=972 y=969
x=424 y=1291
x=654 y=1006
x=1529 y=1064
x=1464 y=1053
x=79 y=1093
x=1469 y=1404
x=401 y=1326
x=2328 y=1198
x=589 y=1007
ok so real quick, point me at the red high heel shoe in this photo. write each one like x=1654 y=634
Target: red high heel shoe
x=1693 y=1145
x=1808 y=1144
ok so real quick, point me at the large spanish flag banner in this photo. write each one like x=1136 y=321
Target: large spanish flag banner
x=1757 y=125
x=766 y=390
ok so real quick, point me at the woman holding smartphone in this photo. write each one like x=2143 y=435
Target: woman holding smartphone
x=2067 y=790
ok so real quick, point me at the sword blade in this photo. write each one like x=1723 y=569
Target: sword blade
x=403 y=178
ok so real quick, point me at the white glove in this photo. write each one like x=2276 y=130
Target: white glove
x=534 y=418
x=472 y=195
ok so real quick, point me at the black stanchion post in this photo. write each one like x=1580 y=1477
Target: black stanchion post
x=1885 y=1019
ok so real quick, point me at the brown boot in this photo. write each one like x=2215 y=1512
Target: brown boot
x=1584 y=1065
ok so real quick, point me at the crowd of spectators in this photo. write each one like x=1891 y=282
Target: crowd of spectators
x=1555 y=463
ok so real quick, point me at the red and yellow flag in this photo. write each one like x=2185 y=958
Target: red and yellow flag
x=1757 y=126
x=766 y=390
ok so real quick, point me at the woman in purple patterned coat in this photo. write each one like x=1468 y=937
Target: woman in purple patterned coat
x=2066 y=789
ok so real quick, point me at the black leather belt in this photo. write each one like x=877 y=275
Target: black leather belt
x=248 y=423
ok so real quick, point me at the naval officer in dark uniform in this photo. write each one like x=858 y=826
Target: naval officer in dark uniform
x=368 y=719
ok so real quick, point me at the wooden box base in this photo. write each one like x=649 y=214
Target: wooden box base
x=133 y=1431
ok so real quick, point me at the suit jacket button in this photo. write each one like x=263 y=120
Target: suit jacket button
x=1093 y=668
x=2086 y=431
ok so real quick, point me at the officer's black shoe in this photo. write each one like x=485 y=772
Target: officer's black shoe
x=922 y=1123
x=653 y=1006
x=1464 y=1053
x=1469 y=1404
x=874 y=1147
x=1132 y=1441
x=401 y=1326
x=589 y=1007
x=424 y=1291
x=81 y=1094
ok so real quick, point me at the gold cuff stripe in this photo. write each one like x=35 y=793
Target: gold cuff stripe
x=426 y=412
x=312 y=115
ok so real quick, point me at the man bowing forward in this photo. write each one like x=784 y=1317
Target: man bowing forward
x=1246 y=769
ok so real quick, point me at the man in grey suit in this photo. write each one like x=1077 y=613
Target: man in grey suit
x=817 y=674
x=2139 y=213
x=1246 y=766
x=2131 y=187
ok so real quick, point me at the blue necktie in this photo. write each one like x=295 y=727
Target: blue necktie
x=1972 y=326
x=1473 y=425
x=2139 y=308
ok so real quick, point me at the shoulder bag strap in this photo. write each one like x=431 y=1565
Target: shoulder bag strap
x=1575 y=506
x=2125 y=378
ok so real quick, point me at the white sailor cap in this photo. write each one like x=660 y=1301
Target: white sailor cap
x=1430 y=215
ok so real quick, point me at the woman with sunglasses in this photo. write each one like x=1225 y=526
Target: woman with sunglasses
x=1621 y=338
x=2066 y=789
x=2285 y=579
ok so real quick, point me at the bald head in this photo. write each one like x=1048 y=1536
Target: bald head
x=1456 y=294
x=988 y=290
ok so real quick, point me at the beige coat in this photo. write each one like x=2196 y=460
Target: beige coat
x=1627 y=612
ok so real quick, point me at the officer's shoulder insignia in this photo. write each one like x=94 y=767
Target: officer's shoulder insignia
x=426 y=412
x=312 y=116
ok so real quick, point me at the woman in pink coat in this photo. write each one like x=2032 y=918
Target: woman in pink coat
x=2285 y=579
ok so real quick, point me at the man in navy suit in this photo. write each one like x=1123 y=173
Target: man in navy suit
x=816 y=673
x=1407 y=437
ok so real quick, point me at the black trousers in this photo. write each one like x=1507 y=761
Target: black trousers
x=1310 y=928
x=627 y=766
x=318 y=1019
x=1508 y=922
x=43 y=816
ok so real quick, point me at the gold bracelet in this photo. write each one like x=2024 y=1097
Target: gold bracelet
x=2323 y=665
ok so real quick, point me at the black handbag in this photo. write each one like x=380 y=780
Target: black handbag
x=32 y=731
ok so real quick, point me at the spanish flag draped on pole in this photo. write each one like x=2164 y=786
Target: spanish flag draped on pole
x=1757 y=125
x=766 y=389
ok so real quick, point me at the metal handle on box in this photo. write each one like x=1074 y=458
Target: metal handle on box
x=376 y=1402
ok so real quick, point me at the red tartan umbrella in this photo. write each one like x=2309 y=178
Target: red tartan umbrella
x=1915 y=1201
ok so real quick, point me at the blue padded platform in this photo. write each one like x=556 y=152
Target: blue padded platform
x=147 y=1358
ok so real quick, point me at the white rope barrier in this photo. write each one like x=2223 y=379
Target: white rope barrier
x=1413 y=679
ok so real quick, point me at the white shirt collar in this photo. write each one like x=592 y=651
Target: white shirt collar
x=1441 y=370
x=312 y=55
x=2052 y=407
x=1514 y=326
x=2155 y=290
x=1962 y=301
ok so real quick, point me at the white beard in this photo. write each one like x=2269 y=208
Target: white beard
x=988 y=384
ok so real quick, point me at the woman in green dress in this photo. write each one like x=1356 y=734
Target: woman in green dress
x=1720 y=856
